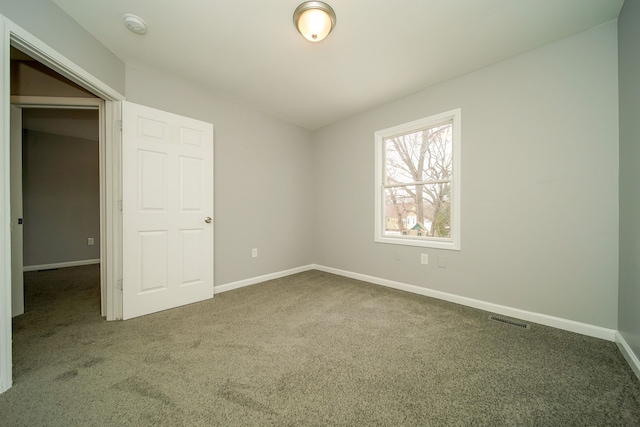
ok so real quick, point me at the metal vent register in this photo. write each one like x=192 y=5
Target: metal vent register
x=509 y=321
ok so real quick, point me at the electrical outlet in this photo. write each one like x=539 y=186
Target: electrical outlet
x=424 y=259
x=254 y=253
x=90 y=241
x=442 y=261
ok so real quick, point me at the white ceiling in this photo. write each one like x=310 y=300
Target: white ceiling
x=380 y=50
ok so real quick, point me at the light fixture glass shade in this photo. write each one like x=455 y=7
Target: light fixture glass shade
x=314 y=20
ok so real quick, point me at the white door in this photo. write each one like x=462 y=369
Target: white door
x=17 y=278
x=167 y=181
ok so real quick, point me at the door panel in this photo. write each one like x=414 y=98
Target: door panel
x=154 y=257
x=191 y=257
x=167 y=195
x=190 y=191
x=152 y=180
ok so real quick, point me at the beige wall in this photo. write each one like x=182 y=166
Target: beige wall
x=629 y=74
x=539 y=184
x=30 y=78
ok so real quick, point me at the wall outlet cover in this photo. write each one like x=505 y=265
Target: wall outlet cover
x=442 y=261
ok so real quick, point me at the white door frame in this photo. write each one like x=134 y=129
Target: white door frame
x=26 y=102
x=110 y=186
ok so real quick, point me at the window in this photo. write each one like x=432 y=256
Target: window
x=418 y=182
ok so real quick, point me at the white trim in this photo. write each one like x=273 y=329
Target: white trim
x=111 y=210
x=102 y=143
x=543 y=319
x=12 y=34
x=45 y=54
x=628 y=354
x=56 y=102
x=452 y=243
x=254 y=280
x=5 y=214
x=35 y=102
x=61 y=265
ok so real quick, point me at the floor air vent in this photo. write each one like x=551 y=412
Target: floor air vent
x=509 y=321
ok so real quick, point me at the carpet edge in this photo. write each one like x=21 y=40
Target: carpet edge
x=259 y=279
x=543 y=319
x=628 y=354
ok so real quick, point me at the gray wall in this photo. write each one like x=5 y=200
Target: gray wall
x=539 y=184
x=49 y=23
x=263 y=178
x=263 y=166
x=540 y=165
x=629 y=80
x=61 y=198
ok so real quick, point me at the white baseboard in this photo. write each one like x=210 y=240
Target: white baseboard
x=543 y=319
x=254 y=280
x=628 y=354
x=60 y=265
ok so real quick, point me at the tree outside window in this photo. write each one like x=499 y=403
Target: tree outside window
x=417 y=188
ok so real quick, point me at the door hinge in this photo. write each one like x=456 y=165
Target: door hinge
x=119 y=125
x=119 y=284
x=119 y=204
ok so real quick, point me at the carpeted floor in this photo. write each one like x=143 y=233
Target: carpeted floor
x=311 y=349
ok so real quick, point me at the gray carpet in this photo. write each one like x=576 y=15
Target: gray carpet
x=311 y=349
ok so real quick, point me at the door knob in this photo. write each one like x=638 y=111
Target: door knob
x=208 y=220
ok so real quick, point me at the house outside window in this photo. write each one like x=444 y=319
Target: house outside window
x=418 y=182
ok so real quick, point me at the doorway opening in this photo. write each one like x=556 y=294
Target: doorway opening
x=110 y=238
x=60 y=194
x=190 y=273
x=55 y=173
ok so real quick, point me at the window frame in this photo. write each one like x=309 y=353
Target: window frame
x=450 y=243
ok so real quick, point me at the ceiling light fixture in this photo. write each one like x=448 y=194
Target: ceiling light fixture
x=135 y=23
x=314 y=20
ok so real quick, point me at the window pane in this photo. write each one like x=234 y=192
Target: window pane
x=417 y=200
x=418 y=210
x=425 y=155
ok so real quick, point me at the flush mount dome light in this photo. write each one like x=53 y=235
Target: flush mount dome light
x=314 y=20
x=135 y=23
